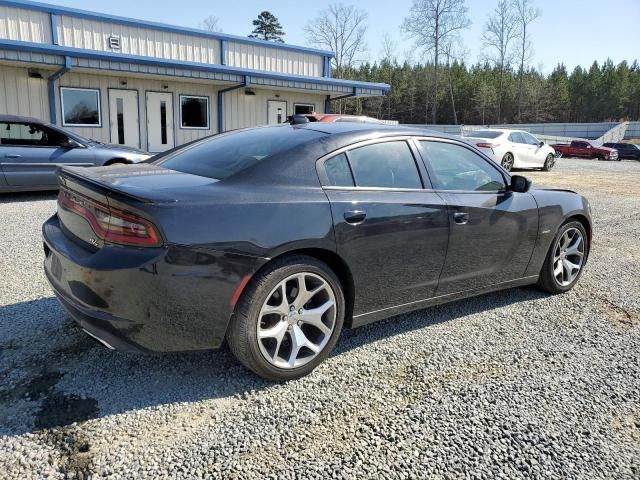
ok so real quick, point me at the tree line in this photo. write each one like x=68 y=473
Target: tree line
x=501 y=87
x=469 y=94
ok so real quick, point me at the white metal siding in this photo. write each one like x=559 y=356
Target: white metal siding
x=21 y=95
x=92 y=35
x=24 y=25
x=104 y=83
x=242 y=110
x=257 y=57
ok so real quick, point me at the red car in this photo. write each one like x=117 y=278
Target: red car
x=586 y=149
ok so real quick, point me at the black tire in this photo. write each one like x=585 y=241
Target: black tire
x=242 y=335
x=507 y=161
x=548 y=163
x=547 y=280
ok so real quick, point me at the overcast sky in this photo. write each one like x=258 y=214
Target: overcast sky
x=575 y=32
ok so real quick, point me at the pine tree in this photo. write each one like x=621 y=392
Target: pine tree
x=267 y=27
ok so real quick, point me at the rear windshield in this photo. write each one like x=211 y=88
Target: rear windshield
x=484 y=134
x=222 y=156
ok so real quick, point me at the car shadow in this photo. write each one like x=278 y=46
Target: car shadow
x=28 y=196
x=53 y=375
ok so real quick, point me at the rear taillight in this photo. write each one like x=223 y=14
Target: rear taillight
x=110 y=224
x=487 y=145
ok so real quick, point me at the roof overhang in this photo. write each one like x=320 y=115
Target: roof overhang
x=40 y=53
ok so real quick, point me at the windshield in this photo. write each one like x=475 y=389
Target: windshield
x=222 y=156
x=74 y=136
x=484 y=134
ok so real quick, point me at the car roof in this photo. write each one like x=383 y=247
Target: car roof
x=356 y=128
x=19 y=119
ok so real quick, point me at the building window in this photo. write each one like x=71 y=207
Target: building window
x=303 y=108
x=80 y=107
x=194 y=112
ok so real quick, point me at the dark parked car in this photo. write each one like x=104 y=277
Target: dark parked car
x=626 y=150
x=273 y=238
x=31 y=151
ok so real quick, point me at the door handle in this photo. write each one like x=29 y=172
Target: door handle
x=355 y=216
x=12 y=155
x=461 y=218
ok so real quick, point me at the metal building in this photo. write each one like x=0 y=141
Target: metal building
x=151 y=85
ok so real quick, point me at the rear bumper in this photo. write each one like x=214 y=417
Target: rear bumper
x=166 y=299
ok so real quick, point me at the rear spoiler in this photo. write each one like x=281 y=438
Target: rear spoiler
x=76 y=178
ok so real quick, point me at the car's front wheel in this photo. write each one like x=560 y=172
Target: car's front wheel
x=548 y=163
x=289 y=319
x=566 y=258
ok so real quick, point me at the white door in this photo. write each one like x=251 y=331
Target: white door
x=536 y=154
x=123 y=117
x=159 y=122
x=276 y=111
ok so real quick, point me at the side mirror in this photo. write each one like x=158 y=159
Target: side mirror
x=520 y=184
x=541 y=144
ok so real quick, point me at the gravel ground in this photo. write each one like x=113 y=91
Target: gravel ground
x=512 y=384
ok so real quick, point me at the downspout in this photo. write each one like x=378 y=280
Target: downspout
x=327 y=102
x=247 y=81
x=51 y=88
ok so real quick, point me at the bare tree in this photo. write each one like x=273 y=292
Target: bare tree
x=500 y=31
x=525 y=14
x=388 y=49
x=341 y=29
x=210 y=24
x=433 y=24
x=452 y=55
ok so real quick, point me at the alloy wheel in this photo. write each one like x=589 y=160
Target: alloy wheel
x=568 y=256
x=296 y=320
x=507 y=162
x=549 y=162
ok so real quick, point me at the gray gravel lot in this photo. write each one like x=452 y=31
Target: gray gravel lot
x=512 y=384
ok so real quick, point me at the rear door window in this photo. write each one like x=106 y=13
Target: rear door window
x=516 y=137
x=384 y=165
x=338 y=171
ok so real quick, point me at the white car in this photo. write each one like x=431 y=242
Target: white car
x=513 y=148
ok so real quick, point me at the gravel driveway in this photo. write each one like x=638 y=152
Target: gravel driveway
x=512 y=384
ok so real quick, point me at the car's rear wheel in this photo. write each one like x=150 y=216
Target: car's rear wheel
x=289 y=319
x=548 y=163
x=566 y=258
x=507 y=162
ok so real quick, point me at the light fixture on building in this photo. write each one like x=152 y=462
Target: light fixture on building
x=166 y=87
x=123 y=82
x=35 y=74
x=277 y=95
x=248 y=91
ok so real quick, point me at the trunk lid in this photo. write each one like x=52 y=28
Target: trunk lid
x=144 y=182
x=132 y=189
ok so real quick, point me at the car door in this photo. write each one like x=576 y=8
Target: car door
x=520 y=149
x=492 y=229
x=389 y=228
x=536 y=154
x=30 y=153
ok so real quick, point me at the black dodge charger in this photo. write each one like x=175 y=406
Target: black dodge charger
x=275 y=238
